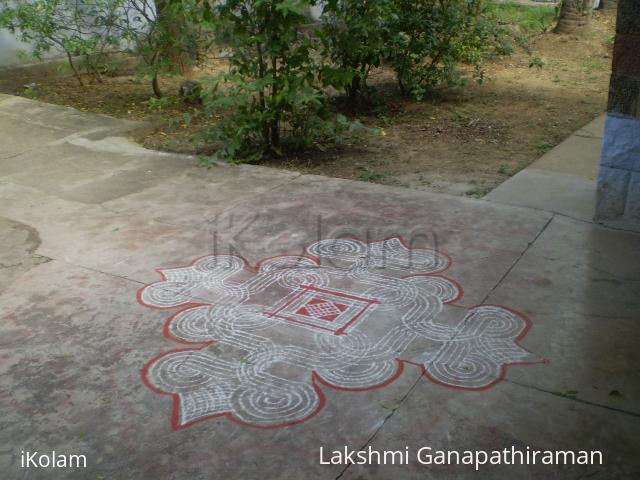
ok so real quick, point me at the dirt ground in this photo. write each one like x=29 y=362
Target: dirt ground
x=463 y=141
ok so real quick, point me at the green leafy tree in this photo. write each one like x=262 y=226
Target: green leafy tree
x=86 y=29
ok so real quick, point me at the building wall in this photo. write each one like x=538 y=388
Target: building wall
x=10 y=46
x=619 y=181
x=9 y=49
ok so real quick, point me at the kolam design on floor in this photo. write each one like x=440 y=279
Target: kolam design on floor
x=347 y=315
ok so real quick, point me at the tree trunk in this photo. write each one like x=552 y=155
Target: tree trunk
x=574 y=14
x=155 y=85
x=75 y=70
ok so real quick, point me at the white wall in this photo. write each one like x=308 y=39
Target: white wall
x=9 y=48
x=316 y=12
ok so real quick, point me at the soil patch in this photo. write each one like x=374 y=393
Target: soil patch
x=462 y=141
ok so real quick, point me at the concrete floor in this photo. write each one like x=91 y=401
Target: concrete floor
x=563 y=180
x=86 y=218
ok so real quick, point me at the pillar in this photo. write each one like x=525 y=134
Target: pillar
x=618 y=202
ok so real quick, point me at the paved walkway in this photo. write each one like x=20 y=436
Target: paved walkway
x=563 y=181
x=263 y=366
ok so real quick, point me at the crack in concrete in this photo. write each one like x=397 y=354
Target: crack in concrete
x=589 y=475
x=606 y=317
x=14 y=155
x=517 y=260
x=384 y=422
x=96 y=270
x=522 y=385
x=578 y=400
x=3 y=266
x=615 y=277
x=560 y=214
x=587 y=135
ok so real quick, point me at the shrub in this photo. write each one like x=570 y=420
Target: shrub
x=273 y=95
x=354 y=39
x=429 y=39
x=423 y=40
x=270 y=97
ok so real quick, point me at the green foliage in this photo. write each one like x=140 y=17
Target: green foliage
x=274 y=94
x=423 y=40
x=430 y=39
x=159 y=104
x=354 y=40
x=370 y=175
x=528 y=19
x=86 y=29
x=165 y=34
x=536 y=62
x=270 y=98
x=31 y=92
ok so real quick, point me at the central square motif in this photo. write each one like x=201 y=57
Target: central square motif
x=327 y=310
x=322 y=309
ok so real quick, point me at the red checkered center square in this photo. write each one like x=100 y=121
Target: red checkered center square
x=325 y=310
